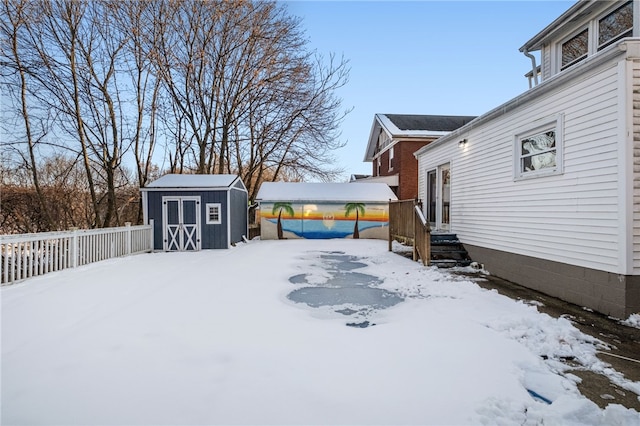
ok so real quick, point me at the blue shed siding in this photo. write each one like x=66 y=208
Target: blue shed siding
x=212 y=236
x=239 y=213
x=239 y=185
x=154 y=211
x=215 y=236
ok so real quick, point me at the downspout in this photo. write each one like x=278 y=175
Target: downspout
x=533 y=64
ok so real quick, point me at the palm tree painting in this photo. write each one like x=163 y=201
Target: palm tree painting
x=279 y=207
x=359 y=209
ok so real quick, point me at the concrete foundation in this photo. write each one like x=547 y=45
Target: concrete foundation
x=611 y=294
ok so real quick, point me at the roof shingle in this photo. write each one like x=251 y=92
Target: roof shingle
x=440 y=123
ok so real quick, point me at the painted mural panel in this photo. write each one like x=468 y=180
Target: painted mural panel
x=280 y=220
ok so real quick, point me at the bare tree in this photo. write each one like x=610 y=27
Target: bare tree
x=81 y=54
x=253 y=100
x=60 y=76
x=294 y=134
x=13 y=26
x=136 y=20
x=224 y=86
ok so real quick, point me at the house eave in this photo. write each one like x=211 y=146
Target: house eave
x=628 y=46
x=392 y=180
x=373 y=140
x=558 y=25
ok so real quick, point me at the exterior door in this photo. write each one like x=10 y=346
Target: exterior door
x=445 y=198
x=432 y=190
x=438 y=206
x=181 y=223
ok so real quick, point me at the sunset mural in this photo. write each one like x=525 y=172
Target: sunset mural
x=317 y=210
x=327 y=220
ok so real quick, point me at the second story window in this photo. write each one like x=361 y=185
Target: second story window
x=604 y=29
x=616 y=25
x=391 y=158
x=575 y=49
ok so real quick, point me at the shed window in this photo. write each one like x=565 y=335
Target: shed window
x=615 y=25
x=214 y=215
x=575 y=49
x=539 y=152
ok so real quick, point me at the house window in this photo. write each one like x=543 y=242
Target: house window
x=616 y=25
x=538 y=152
x=214 y=213
x=378 y=168
x=606 y=29
x=575 y=49
x=391 y=158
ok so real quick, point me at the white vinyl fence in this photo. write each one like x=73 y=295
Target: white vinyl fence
x=30 y=255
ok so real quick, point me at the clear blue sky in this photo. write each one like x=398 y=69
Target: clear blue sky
x=423 y=57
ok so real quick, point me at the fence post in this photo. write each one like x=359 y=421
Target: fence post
x=74 y=247
x=389 y=228
x=127 y=226
x=427 y=245
x=416 y=231
x=151 y=222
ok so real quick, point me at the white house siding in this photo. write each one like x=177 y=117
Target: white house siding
x=545 y=61
x=571 y=218
x=636 y=166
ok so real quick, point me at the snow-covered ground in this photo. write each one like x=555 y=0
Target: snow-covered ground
x=211 y=338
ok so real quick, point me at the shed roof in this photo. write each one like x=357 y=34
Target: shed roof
x=175 y=181
x=340 y=192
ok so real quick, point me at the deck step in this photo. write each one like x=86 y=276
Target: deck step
x=447 y=251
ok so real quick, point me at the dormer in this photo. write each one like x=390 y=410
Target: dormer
x=586 y=29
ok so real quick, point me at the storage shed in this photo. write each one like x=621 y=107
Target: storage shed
x=324 y=210
x=194 y=212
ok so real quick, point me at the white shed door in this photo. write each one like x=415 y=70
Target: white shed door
x=181 y=223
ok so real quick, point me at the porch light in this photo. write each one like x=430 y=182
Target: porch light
x=462 y=143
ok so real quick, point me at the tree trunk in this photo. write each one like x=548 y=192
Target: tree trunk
x=280 y=233
x=356 y=233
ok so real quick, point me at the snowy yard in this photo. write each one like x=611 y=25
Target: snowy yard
x=212 y=338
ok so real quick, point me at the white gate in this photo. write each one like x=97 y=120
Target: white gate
x=181 y=223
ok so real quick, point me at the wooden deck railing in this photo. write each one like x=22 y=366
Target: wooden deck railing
x=422 y=237
x=407 y=225
x=29 y=255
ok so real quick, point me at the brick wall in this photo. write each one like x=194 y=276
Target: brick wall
x=408 y=169
x=404 y=164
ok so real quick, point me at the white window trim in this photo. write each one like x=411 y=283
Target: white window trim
x=596 y=37
x=593 y=27
x=391 y=153
x=208 y=207
x=589 y=28
x=556 y=124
